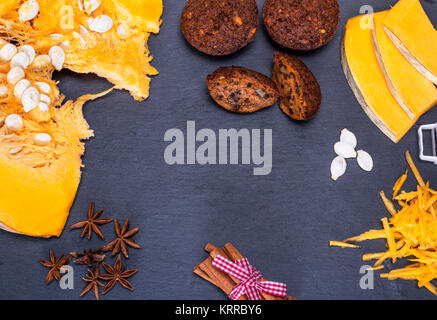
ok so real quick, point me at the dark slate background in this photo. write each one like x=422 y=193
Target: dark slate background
x=282 y=222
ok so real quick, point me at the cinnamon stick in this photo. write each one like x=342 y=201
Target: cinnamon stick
x=217 y=277
x=236 y=255
x=231 y=253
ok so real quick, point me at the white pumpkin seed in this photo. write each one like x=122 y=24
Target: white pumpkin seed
x=30 y=99
x=121 y=31
x=80 y=5
x=15 y=75
x=15 y=150
x=42 y=139
x=20 y=87
x=338 y=167
x=44 y=107
x=44 y=87
x=21 y=59
x=348 y=137
x=14 y=122
x=7 y=52
x=29 y=50
x=57 y=56
x=28 y=10
x=56 y=36
x=365 y=160
x=91 y=5
x=345 y=150
x=45 y=98
x=101 y=24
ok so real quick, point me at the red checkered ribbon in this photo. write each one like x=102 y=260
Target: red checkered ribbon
x=250 y=279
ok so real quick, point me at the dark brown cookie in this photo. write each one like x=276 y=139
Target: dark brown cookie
x=301 y=25
x=219 y=27
x=300 y=95
x=241 y=90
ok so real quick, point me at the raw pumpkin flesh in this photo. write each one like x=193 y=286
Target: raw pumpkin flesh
x=410 y=232
x=39 y=182
x=411 y=30
x=409 y=87
x=122 y=57
x=366 y=79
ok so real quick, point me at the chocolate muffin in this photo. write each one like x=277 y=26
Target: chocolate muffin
x=219 y=27
x=301 y=25
x=241 y=90
x=300 y=95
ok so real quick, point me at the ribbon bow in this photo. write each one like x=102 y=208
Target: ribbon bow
x=250 y=278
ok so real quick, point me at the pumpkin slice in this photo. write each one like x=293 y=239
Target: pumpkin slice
x=114 y=48
x=39 y=184
x=39 y=177
x=412 y=32
x=367 y=81
x=40 y=139
x=414 y=93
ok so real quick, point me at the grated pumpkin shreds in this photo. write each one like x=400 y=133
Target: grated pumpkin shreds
x=410 y=232
x=399 y=183
x=342 y=244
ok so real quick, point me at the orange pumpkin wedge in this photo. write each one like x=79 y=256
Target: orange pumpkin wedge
x=40 y=153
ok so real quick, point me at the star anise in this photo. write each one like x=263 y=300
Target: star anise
x=116 y=273
x=122 y=240
x=92 y=223
x=92 y=280
x=88 y=257
x=55 y=266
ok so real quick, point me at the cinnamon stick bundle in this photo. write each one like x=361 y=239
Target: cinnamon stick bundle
x=220 y=279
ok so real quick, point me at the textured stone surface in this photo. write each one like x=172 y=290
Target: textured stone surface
x=282 y=222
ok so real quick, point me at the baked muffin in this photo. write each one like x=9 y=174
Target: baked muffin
x=300 y=95
x=301 y=25
x=241 y=90
x=219 y=27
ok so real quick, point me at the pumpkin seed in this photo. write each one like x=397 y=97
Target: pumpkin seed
x=345 y=150
x=7 y=52
x=91 y=5
x=338 y=167
x=44 y=87
x=44 y=107
x=20 y=87
x=30 y=51
x=365 y=160
x=15 y=75
x=21 y=59
x=42 y=139
x=348 y=137
x=15 y=150
x=30 y=99
x=28 y=10
x=101 y=24
x=57 y=56
x=14 y=122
